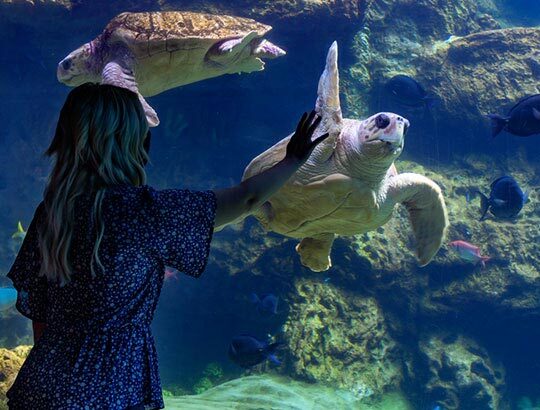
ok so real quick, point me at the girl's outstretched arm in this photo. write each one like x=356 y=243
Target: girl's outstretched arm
x=241 y=200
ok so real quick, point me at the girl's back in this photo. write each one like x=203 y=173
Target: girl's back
x=95 y=324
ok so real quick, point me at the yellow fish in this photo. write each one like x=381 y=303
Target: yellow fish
x=20 y=233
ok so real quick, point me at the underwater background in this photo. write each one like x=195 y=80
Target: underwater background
x=375 y=331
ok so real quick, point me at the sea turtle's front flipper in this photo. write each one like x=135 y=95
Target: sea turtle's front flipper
x=234 y=46
x=328 y=106
x=427 y=211
x=236 y=54
x=315 y=252
x=120 y=75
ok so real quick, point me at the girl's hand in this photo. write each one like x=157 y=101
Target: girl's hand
x=300 y=145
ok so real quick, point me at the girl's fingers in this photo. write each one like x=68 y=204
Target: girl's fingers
x=301 y=123
x=309 y=120
x=320 y=139
x=314 y=126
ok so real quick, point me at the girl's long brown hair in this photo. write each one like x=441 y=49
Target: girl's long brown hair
x=98 y=143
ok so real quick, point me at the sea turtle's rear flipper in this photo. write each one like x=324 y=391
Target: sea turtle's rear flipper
x=119 y=75
x=315 y=252
x=427 y=211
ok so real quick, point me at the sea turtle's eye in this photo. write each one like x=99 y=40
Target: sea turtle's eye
x=382 y=121
x=66 y=64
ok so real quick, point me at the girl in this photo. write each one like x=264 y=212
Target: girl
x=90 y=270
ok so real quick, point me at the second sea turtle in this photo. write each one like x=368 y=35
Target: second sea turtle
x=152 y=52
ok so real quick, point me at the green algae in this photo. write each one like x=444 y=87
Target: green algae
x=212 y=375
x=202 y=385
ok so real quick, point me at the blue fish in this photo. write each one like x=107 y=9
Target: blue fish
x=247 y=351
x=505 y=200
x=407 y=91
x=8 y=297
x=523 y=119
x=266 y=303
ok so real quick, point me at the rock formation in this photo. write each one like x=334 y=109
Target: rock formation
x=10 y=363
x=461 y=374
x=340 y=338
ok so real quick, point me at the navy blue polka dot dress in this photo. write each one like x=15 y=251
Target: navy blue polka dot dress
x=97 y=351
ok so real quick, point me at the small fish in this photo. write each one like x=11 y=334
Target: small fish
x=20 y=233
x=469 y=252
x=407 y=91
x=522 y=120
x=170 y=274
x=506 y=198
x=8 y=298
x=247 y=351
x=266 y=303
x=451 y=39
x=327 y=279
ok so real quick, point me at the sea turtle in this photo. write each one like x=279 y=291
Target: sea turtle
x=152 y=52
x=349 y=185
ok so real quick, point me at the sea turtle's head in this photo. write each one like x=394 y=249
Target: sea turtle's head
x=368 y=148
x=381 y=137
x=78 y=68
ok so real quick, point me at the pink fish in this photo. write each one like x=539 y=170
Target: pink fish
x=170 y=274
x=469 y=252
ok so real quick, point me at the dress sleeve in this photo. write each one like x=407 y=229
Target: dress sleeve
x=24 y=273
x=185 y=222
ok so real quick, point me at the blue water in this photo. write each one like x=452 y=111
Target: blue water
x=211 y=130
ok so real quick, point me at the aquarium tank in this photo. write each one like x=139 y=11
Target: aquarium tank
x=399 y=268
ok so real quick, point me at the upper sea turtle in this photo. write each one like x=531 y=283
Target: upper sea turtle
x=152 y=52
x=349 y=185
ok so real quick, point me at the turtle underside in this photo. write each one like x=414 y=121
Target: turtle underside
x=177 y=44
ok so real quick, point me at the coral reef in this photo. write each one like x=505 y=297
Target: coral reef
x=340 y=338
x=10 y=363
x=271 y=392
x=461 y=374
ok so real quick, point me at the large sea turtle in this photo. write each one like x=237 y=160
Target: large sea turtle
x=155 y=51
x=349 y=185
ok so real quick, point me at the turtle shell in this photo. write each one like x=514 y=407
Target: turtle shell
x=175 y=45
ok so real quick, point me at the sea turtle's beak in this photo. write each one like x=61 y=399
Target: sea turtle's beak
x=394 y=133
